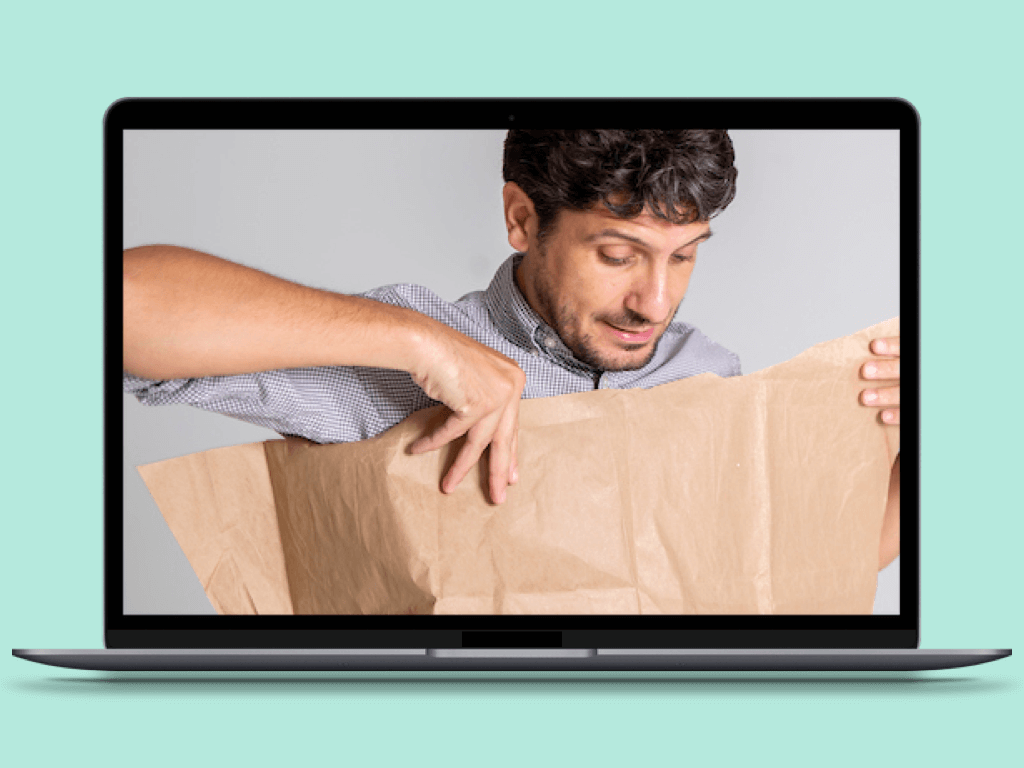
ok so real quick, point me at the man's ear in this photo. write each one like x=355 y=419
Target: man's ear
x=520 y=218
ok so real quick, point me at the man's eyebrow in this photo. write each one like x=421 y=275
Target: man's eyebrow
x=618 y=234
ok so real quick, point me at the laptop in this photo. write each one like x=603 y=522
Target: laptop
x=819 y=239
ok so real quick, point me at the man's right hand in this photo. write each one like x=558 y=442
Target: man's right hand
x=482 y=388
x=188 y=314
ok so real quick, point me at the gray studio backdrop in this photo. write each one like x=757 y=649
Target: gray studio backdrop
x=807 y=252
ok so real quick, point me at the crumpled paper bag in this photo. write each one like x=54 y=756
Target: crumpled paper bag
x=756 y=494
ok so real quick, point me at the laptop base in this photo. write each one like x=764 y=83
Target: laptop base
x=514 y=659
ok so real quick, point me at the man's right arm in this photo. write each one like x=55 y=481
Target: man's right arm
x=189 y=314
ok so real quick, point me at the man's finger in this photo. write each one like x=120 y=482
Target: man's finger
x=880 y=369
x=881 y=396
x=503 y=452
x=500 y=469
x=454 y=426
x=513 y=470
x=887 y=346
x=476 y=442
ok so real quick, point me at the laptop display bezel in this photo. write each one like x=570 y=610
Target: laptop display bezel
x=704 y=631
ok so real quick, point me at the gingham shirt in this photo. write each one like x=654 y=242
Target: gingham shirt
x=342 y=404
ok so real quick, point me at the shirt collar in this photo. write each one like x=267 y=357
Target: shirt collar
x=513 y=317
x=518 y=322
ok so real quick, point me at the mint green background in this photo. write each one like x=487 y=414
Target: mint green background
x=62 y=64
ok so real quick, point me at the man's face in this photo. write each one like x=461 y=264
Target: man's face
x=610 y=286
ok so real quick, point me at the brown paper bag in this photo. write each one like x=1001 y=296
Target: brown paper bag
x=756 y=494
x=220 y=507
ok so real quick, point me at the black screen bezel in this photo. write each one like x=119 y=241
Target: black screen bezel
x=165 y=631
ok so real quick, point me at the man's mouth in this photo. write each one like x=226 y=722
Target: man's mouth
x=630 y=336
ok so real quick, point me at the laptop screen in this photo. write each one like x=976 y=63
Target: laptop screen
x=806 y=248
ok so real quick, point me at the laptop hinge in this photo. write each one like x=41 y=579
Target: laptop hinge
x=511 y=653
x=511 y=639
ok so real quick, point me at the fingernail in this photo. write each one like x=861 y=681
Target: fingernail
x=870 y=370
x=879 y=346
x=888 y=415
x=870 y=397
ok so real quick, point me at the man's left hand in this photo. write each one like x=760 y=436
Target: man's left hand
x=884 y=367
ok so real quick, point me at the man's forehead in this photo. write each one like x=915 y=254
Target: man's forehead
x=599 y=222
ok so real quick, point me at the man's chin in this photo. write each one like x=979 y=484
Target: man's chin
x=630 y=357
x=613 y=355
x=635 y=364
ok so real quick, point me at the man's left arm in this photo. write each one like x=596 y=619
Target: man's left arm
x=886 y=367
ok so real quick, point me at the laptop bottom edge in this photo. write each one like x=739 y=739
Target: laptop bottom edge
x=516 y=659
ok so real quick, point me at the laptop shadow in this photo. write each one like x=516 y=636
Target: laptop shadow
x=911 y=684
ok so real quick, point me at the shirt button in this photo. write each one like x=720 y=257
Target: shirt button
x=550 y=342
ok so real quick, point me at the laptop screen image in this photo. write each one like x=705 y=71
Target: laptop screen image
x=807 y=251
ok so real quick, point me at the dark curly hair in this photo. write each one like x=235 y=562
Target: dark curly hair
x=681 y=176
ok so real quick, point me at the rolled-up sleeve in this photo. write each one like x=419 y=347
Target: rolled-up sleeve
x=152 y=392
x=325 y=405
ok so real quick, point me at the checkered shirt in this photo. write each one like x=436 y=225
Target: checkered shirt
x=342 y=404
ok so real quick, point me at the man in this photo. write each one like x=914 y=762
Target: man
x=606 y=225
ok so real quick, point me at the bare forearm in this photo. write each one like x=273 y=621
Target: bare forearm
x=188 y=314
x=889 y=547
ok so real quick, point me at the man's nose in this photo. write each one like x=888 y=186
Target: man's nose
x=650 y=296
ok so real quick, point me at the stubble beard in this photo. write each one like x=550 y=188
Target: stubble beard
x=568 y=327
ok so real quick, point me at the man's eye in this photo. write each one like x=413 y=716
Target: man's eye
x=612 y=260
x=684 y=257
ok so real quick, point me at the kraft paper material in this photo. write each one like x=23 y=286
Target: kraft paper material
x=748 y=495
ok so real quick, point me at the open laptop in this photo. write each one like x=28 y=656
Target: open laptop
x=821 y=240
